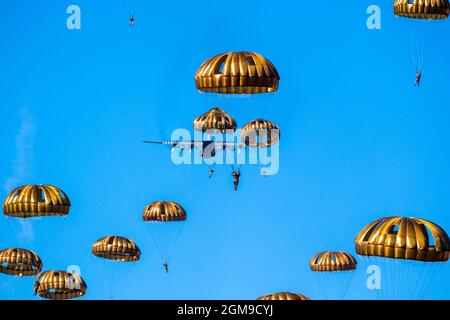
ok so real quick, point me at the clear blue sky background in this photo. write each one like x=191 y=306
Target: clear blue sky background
x=359 y=141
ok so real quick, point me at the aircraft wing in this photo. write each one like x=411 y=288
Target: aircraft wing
x=199 y=144
x=177 y=144
x=228 y=145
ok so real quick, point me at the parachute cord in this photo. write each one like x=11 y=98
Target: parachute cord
x=131 y=10
x=103 y=276
x=166 y=240
x=410 y=277
x=128 y=7
x=169 y=252
x=384 y=292
x=50 y=247
x=347 y=283
x=19 y=242
x=425 y=274
x=321 y=284
x=413 y=52
x=431 y=278
x=436 y=38
x=156 y=242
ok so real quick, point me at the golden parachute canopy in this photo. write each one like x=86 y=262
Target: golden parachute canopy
x=332 y=261
x=59 y=285
x=260 y=133
x=237 y=73
x=36 y=201
x=422 y=9
x=215 y=120
x=404 y=238
x=116 y=248
x=164 y=211
x=284 y=296
x=19 y=262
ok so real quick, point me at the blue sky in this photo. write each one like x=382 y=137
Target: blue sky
x=358 y=140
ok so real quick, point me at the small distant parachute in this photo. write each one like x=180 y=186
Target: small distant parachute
x=215 y=120
x=165 y=222
x=18 y=268
x=260 y=133
x=59 y=285
x=220 y=124
x=334 y=271
x=115 y=254
x=284 y=296
x=35 y=213
x=409 y=252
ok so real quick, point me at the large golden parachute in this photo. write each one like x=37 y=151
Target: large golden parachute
x=19 y=262
x=116 y=248
x=284 y=296
x=36 y=201
x=215 y=120
x=408 y=252
x=330 y=261
x=404 y=238
x=237 y=73
x=59 y=285
x=422 y=9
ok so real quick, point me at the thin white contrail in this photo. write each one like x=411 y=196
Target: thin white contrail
x=22 y=166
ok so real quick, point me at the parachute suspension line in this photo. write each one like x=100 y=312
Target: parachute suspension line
x=347 y=282
x=418 y=276
x=410 y=276
x=104 y=278
x=414 y=54
x=420 y=54
x=50 y=247
x=28 y=233
x=165 y=236
x=112 y=273
x=384 y=275
x=20 y=242
x=388 y=275
x=155 y=240
x=322 y=285
x=175 y=241
x=429 y=280
x=131 y=8
x=405 y=279
x=437 y=36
